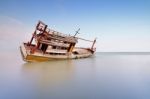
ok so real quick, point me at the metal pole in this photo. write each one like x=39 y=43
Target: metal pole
x=93 y=44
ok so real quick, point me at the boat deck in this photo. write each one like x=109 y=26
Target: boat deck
x=76 y=49
x=38 y=55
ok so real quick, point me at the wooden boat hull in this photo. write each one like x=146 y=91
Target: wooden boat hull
x=33 y=57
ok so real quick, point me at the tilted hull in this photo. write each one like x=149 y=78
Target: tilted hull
x=39 y=57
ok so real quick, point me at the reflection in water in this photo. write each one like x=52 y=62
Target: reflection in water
x=47 y=75
x=56 y=79
x=49 y=72
x=105 y=76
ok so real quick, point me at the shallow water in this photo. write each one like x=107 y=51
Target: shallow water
x=103 y=76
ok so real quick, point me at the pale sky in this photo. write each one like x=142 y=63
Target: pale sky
x=119 y=25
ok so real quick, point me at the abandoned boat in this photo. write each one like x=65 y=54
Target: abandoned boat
x=47 y=44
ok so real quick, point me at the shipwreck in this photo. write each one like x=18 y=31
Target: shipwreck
x=47 y=44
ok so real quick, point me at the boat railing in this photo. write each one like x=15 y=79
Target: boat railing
x=41 y=26
x=54 y=43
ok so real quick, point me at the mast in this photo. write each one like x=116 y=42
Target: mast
x=72 y=45
x=93 y=44
x=77 y=32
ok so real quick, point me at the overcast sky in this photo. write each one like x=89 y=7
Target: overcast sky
x=119 y=25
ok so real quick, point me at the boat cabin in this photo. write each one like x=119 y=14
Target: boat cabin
x=52 y=42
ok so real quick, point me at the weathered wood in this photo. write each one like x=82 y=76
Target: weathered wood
x=51 y=43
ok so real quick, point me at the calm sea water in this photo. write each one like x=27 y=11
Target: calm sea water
x=103 y=76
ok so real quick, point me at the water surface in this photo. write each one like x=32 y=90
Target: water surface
x=103 y=76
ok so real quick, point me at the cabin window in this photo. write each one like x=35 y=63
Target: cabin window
x=65 y=42
x=75 y=52
x=57 y=53
x=44 y=47
x=54 y=47
x=59 y=47
x=63 y=48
